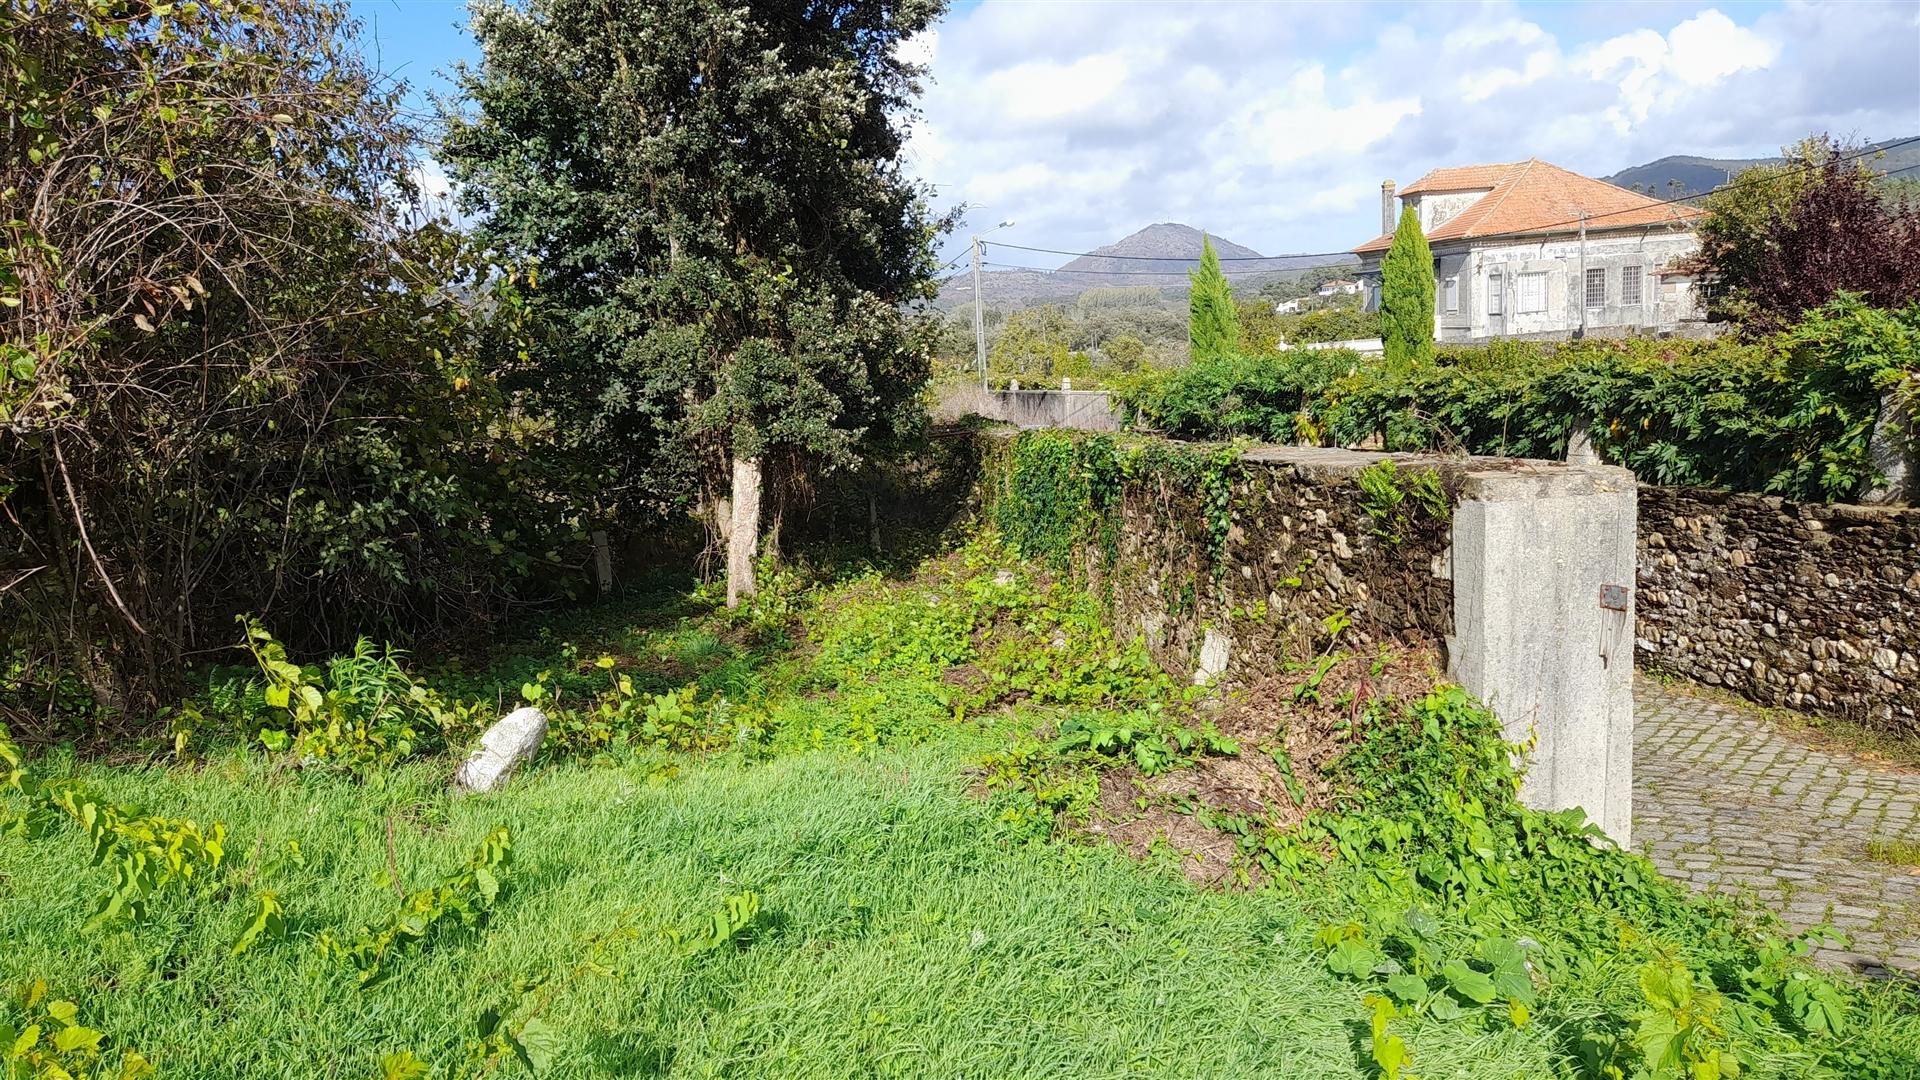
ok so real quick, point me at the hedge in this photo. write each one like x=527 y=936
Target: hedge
x=1789 y=414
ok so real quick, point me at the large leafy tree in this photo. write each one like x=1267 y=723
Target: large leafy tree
x=1406 y=294
x=727 y=241
x=1213 y=322
x=1784 y=239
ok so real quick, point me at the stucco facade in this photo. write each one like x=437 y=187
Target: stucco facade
x=1523 y=267
x=1636 y=285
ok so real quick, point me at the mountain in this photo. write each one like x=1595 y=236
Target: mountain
x=1173 y=249
x=1157 y=256
x=1699 y=175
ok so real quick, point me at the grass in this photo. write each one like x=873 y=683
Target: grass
x=899 y=937
x=1898 y=852
x=915 y=919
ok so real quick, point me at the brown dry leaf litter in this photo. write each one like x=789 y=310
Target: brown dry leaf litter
x=1138 y=812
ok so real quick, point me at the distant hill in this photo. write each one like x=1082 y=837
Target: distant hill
x=1158 y=255
x=1680 y=175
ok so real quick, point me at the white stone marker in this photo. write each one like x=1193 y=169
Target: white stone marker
x=506 y=746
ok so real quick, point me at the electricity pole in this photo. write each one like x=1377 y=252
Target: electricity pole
x=1581 y=293
x=980 y=307
x=979 y=318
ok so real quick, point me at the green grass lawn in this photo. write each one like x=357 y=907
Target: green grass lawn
x=900 y=772
x=899 y=936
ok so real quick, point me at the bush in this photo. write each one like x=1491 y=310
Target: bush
x=272 y=388
x=1789 y=415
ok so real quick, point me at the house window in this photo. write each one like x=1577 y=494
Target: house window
x=1597 y=287
x=1531 y=293
x=1496 y=290
x=1630 y=285
x=1453 y=295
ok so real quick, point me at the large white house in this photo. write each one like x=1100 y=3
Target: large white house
x=1529 y=249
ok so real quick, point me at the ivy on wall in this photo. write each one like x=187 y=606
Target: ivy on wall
x=1058 y=490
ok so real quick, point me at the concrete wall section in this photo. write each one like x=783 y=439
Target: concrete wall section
x=1082 y=410
x=1543 y=565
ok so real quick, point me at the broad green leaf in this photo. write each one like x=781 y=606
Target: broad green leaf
x=1407 y=987
x=402 y=1066
x=1503 y=953
x=1352 y=958
x=1422 y=923
x=77 y=1038
x=1468 y=983
x=267 y=922
x=541 y=1043
x=1514 y=985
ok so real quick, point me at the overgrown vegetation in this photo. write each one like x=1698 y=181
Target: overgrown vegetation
x=1784 y=239
x=764 y=836
x=1790 y=414
x=242 y=373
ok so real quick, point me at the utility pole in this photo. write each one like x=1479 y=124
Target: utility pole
x=1581 y=293
x=979 y=318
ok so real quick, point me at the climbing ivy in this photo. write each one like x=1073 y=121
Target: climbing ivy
x=1058 y=491
x=1058 y=487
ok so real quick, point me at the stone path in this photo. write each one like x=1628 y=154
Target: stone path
x=1723 y=799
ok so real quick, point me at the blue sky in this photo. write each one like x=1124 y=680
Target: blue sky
x=1272 y=124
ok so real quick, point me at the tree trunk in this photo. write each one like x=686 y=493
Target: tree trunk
x=716 y=521
x=743 y=540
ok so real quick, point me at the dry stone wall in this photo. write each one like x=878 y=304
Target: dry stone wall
x=1235 y=565
x=1810 y=607
x=1299 y=546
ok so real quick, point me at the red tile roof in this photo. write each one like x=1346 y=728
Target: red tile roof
x=1534 y=196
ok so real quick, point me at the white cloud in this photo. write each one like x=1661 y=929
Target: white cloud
x=1274 y=125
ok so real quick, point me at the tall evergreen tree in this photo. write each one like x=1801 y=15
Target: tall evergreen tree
x=1406 y=294
x=1213 y=323
x=728 y=242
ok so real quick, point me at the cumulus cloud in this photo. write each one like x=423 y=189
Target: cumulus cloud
x=1274 y=125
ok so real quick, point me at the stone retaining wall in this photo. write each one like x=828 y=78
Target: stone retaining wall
x=1810 y=607
x=1299 y=547
x=1519 y=571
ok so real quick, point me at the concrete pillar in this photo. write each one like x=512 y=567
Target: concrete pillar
x=1580 y=448
x=1892 y=445
x=1543 y=575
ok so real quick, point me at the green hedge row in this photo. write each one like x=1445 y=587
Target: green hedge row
x=1789 y=414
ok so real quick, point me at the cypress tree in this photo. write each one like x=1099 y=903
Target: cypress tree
x=1213 y=323
x=1406 y=294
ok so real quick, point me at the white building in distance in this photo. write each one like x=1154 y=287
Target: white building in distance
x=1529 y=249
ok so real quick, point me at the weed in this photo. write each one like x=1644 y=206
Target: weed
x=463 y=897
x=1898 y=852
x=44 y=1040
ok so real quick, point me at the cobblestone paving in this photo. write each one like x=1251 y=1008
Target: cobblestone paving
x=1725 y=800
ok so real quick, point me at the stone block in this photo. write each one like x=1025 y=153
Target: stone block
x=508 y=744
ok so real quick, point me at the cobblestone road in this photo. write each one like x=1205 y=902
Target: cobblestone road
x=1724 y=799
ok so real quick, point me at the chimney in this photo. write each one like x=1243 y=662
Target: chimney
x=1388 y=219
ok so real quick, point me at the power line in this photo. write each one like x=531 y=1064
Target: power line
x=1120 y=273
x=1755 y=182
x=1177 y=258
